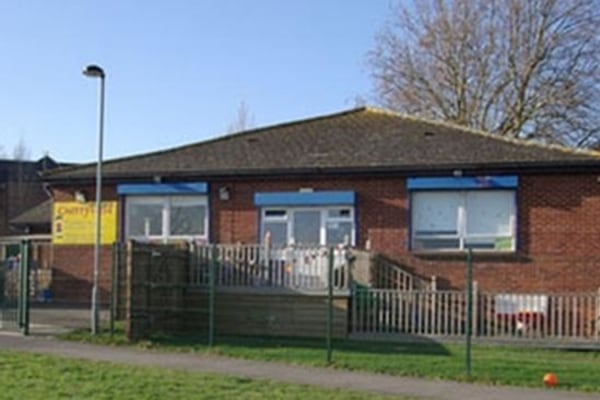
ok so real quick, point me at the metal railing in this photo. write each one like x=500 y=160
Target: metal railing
x=40 y=258
x=388 y=274
x=572 y=316
x=294 y=267
x=568 y=315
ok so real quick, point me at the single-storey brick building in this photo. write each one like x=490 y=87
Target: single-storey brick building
x=420 y=192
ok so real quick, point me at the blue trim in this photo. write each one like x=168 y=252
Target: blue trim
x=147 y=189
x=478 y=182
x=304 y=198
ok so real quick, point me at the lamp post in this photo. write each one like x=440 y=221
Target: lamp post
x=94 y=71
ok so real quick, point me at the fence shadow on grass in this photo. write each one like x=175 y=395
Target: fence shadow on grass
x=414 y=347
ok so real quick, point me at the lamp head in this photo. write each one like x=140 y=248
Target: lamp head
x=94 y=71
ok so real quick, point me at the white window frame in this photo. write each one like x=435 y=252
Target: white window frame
x=166 y=203
x=325 y=218
x=461 y=224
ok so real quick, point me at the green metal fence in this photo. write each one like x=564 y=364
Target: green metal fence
x=211 y=290
x=14 y=287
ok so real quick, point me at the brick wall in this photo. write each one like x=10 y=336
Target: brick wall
x=73 y=264
x=558 y=230
x=72 y=273
x=558 y=222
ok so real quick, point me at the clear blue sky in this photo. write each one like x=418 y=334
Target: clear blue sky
x=176 y=70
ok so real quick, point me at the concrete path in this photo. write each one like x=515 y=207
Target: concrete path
x=324 y=377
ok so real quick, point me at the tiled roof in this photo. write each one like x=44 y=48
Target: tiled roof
x=40 y=214
x=359 y=140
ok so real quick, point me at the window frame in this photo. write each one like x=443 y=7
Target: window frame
x=462 y=234
x=324 y=219
x=166 y=201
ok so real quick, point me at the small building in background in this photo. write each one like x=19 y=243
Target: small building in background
x=22 y=189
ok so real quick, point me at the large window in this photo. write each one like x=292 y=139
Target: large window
x=458 y=220
x=308 y=226
x=166 y=217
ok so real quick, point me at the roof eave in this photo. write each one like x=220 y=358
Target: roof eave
x=447 y=169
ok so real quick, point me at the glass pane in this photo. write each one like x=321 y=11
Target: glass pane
x=187 y=218
x=436 y=244
x=278 y=231
x=501 y=243
x=339 y=213
x=339 y=233
x=275 y=213
x=435 y=213
x=489 y=213
x=480 y=243
x=307 y=225
x=145 y=219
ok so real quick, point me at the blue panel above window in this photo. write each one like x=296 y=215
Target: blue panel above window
x=142 y=189
x=322 y=198
x=462 y=182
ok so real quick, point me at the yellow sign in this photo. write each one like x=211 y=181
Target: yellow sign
x=75 y=223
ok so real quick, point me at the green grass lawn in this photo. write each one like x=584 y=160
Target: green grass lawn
x=29 y=376
x=492 y=365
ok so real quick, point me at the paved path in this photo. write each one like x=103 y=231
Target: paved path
x=324 y=377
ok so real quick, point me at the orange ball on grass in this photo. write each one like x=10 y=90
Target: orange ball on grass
x=550 y=379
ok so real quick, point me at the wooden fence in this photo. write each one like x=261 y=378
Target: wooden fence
x=253 y=289
x=569 y=317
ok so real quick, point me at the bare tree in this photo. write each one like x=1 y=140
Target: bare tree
x=21 y=151
x=518 y=68
x=244 y=119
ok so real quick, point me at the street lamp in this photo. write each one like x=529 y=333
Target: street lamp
x=94 y=71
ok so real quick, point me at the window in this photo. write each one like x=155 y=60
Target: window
x=145 y=217
x=187 y=217
x=166 y=217
x=275 y=222
x=458 y=220
x=308 y=226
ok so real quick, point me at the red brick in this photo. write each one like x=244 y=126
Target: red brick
x=558 y=231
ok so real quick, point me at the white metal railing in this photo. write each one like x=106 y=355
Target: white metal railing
x=407 y=312
x=295 y=267
x=570 y=316
x=387 y=274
